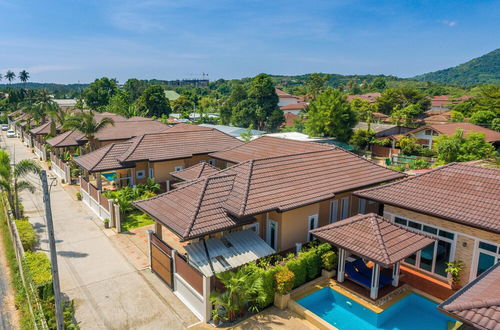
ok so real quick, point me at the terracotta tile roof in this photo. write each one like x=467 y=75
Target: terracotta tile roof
x=159 y=147
x=195 y=209
x=374 y=238
x=282 y=94
x=451 y=128
x=443 y=100
x=173 y=144
x=379 y=115
x=186 y=127
x=437 y=119
x=290 y=119
x=267 y=146
x=370 y=97
x=124 y=130
x=43 y=129
x=294 y=106
x=104 y=159
x=278 y=183
x=66 y=139
x=197 y=171
x=478 y=303
x=460 y=192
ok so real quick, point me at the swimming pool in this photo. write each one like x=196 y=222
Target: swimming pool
x=410 y=313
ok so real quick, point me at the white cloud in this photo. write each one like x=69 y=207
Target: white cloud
x=449 y=23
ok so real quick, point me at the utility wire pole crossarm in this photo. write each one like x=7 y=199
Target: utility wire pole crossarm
x=53 y=253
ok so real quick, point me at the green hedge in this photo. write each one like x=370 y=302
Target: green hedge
x=298 y=266
x=27 y=234
x=312 y=260
x=37 y=266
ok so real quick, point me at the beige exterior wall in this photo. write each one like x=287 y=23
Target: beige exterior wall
x=162 y=170
x=467 y=238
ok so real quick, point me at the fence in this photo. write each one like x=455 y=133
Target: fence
x=96 y=201
x=60 y=168
x=404 y=160
x=40 y=150
x=380 y=151
x=34 y=305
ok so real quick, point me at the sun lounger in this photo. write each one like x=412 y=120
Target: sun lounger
x=360 y=265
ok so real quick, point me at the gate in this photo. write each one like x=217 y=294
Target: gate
x=161 y=260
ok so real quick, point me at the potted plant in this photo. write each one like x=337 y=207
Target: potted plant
x=284 y=284
x=329 y=263
x=106 y=223
x=216 y=316
x=49 y=164
x=79 y=196
x=454 y=270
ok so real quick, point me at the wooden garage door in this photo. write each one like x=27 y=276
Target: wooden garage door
x=161 y=264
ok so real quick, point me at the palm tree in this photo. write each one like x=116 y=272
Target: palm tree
x=24 y=76
x=11 y=179
x=86 y=123
x=10 y=76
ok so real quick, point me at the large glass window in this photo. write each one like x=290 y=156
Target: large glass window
x=432 y=258
x=489 y=254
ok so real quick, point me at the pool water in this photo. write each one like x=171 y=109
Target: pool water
x=410 y=313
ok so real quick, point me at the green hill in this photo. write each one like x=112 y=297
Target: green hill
x=481 y=70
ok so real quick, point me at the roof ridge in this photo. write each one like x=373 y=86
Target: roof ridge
x=376 y=224
x=132 y=148
x=341 y=223
x=474 y=304
x=109 y=146
x=294 y=154
x=198 y=207
x=407 y=178
x=247 y=188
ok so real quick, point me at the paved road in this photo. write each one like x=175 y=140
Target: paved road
x=109 y=293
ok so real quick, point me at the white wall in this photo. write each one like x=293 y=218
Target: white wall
x=287 y=100
x=295 y=112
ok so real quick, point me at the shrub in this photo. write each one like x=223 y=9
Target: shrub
x=324 y=248
x=298 y=267
x=329 y=260
x=27 y=234
x=37 y=265
x=284 y=281
x=79 y=196
x=313 y=263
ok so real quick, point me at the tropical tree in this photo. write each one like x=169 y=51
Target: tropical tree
x=12 y=179
x=10 y=76
x=461 y=148
x=24 y=76
x=315 y=83
x=86 y=123
x=99 y=93
x=238 y=94
x=268 y=116
x=154 y=101
x=406 y=116
x=401 y=97
x=330 y=114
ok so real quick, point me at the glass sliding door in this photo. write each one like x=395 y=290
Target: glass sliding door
x=488 y=255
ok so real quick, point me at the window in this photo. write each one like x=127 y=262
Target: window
x=344 y=208
x=334 y=210
x=179 y=168
x=211 y=162
x=432 y=258
x=488 y=255
x=272 y=233
x=312 y=224
x=361 y=205
x=141 y=174
x=255 y=227
x=151 y=172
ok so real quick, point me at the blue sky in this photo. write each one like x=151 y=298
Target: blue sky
x=78 y=40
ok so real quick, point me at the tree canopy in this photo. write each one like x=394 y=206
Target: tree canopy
x=459 y=148
x=99 y=93
x=154 y=102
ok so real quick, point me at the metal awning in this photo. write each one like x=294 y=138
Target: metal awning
x=230 y=251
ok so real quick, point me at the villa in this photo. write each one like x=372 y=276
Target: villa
x=252 y=209
x=458 y=204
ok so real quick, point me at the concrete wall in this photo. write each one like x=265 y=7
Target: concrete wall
x=467 y=238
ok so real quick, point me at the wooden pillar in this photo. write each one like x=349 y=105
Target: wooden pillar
x=158 y=230
x=375 y=281
x=341 y=266
x=395 y=274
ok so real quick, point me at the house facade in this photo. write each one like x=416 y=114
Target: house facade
x=458 y=204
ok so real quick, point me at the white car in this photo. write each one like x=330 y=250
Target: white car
x=11 y=133
x=5 y=127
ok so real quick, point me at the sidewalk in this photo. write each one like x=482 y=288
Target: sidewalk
x=109 y=292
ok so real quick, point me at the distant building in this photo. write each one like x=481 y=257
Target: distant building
x=172 y=95
x=187 y=82
x=443 y=102
x=285 y=98
x=233 y=130
x=370 y=97
x=65 y=104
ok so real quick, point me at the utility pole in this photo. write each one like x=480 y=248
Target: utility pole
x=52 y=248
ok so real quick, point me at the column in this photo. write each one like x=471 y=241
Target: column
x=375 y=281
x=158 y=230
x=98 y=180
x=395 y=274
x=150 y=233
x=341 y=266
x=206 y=299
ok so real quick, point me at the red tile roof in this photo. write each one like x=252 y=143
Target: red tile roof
x=294 y=106
x=43 y=129
x=197 y=171
x=374 y=238
x=124 y=130
x=161 y=146
x=66 y=139
x=443 y=100
x=451 y=128
x=478 y=303
x=290 y=119
x=459 y=192
x=278 y=183
x=282 y=94
x=267 y=146
x=105 y=158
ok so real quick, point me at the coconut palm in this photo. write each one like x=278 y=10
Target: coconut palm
x=10 y=76
x=88 y=125
x=11 y=179
x=24 y=76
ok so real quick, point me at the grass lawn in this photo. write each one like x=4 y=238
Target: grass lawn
x=136 y=219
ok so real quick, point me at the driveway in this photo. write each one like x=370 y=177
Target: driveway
x=109 y=293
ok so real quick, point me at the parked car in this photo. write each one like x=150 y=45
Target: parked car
x=5 y=127
x=11 y=133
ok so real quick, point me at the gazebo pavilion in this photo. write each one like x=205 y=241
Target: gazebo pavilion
x=373 y=238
